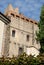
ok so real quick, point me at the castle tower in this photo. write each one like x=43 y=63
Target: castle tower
x=10 y=10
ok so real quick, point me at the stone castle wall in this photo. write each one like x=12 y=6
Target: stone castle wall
x=22 y=29
x=6 y=40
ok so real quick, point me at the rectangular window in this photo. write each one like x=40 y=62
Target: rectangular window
x=20 y=50
x=27 y=37
x=13 y=33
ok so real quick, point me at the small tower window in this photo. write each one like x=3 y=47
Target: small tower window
x=27 y=37
x=37 y=41
x=12 y=14
x=13 y=33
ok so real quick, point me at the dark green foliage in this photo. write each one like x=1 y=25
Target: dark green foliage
x=40 y=33
x=23 y=59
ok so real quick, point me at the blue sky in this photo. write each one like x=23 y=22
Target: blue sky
x=30 y=8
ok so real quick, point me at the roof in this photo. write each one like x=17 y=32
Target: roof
x=34 y=47
x=23 y=17
x=4 y=18
x=27 y=19
x=16 y=13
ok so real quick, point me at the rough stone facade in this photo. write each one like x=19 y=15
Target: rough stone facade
x=22 y=28
x=4 y=35
x=7 y=40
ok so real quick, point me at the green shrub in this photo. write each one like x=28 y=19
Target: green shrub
x=23 y=59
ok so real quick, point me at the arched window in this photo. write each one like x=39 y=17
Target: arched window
x=20 y=50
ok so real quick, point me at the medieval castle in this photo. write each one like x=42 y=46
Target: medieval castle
x=17 y=33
